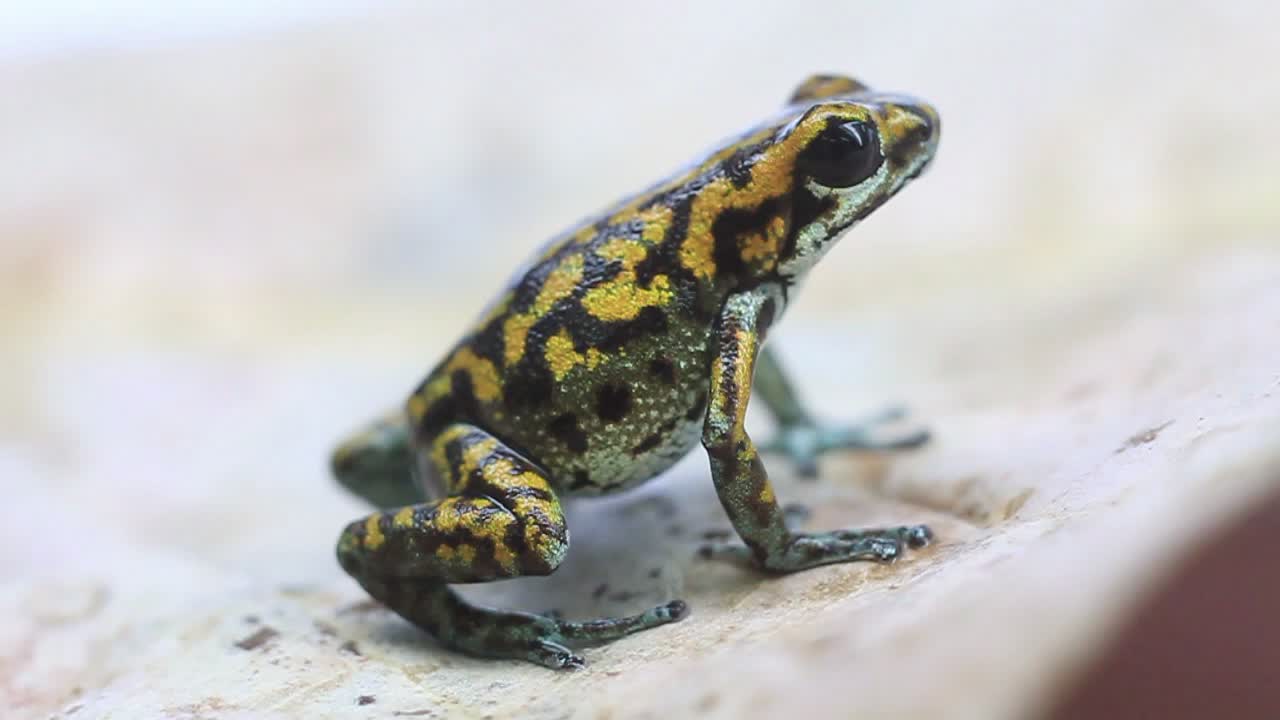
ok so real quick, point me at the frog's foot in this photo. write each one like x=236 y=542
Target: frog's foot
x=803 y=442
x=805 y=550
x=546 y=641
x=490 y=633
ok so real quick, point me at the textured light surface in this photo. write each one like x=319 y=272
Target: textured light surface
x=216 y=259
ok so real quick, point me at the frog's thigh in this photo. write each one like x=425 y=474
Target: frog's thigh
x=376 y=462
x=501 y=520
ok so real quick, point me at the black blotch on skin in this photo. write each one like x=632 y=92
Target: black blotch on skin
x=733 y=224
x=565 y=428
x=441 y=414
x=651 y=320
x=514 y=538
x=805 y=208
x=663 y=369
x=581 y=479
x=647 y=444
x=453 y=456
x=489 y=342
x=664 y=258
x=528 y=388
x=613 y=402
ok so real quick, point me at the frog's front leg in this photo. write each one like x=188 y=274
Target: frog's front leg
x=501 y=520
x=803 y=439
x=740 y=478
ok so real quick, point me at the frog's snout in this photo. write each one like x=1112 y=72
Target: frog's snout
x=913 y=129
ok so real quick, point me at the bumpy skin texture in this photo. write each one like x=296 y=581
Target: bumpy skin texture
x=631 y=338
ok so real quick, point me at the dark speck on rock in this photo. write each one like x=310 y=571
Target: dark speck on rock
x=258 y=639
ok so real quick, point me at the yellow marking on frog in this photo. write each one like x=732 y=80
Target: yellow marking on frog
x=766 y=494
x=621 y=298
x=741 y=370
x=474 y=454
x=498 y=472
x=762 y=248
x=451 y=433
x=817 y=87
x=503 y=555
x=526 y=505
x=538 y=541
x=562 y=357
x=373 y=537
x=403 y=518
x=467 y=554
x=585 y=235
x=484 y=380
x=484 y=376
x=560 y=284
x=494 y=525
x=447 y=517
x=896 y=123
x=417 y=407
x=445 y=553
x=514 y=333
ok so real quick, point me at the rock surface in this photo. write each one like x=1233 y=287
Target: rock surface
x=216 y=259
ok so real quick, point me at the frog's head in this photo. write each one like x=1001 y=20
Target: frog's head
x=849 y=149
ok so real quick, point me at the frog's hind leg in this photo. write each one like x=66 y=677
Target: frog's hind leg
x=501 y=520
x=803 y=439
x=376 y=462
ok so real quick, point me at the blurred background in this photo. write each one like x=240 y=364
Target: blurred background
x=228 y=234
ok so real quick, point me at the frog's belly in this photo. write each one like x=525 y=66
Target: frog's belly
x=616 y=462
x=587 y=449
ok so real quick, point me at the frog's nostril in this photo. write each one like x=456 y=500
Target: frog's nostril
x=930 y=123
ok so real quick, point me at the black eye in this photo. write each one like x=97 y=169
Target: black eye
x=842 y=155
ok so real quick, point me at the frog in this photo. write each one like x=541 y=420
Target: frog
x=626 y=342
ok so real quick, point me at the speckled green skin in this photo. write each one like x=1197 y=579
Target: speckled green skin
x=629 y=340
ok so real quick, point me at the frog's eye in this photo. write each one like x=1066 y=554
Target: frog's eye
x=842 y=155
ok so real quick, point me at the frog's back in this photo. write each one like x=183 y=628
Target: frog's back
x=593 y=363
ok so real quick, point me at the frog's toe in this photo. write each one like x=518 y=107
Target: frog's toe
x=603 y=630
x=736 y=553
x=555 y=656
x=673 y=611
x=917 y=536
